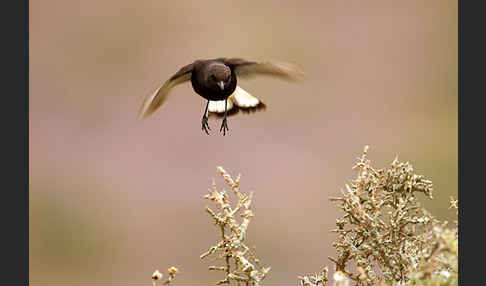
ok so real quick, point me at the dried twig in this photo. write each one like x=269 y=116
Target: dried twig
x=233 y=221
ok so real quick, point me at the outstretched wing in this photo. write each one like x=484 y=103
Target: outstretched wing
x=247 y=69
x=156 y=99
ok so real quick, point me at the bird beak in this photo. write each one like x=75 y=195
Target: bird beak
x=221 y=85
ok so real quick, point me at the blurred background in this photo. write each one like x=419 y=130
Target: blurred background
x=113 y=198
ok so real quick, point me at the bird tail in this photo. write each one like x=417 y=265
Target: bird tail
x=240 y=100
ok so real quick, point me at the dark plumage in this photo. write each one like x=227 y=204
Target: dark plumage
x=216 y=81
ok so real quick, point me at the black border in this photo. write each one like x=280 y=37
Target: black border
x=471 y=143
x=15 y=179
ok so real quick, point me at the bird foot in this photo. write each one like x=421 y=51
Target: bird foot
x=205 y=125
x=224 y=126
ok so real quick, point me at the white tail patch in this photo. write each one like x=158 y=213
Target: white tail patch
x=243 y=99
x=239 y=100
x=218 y=106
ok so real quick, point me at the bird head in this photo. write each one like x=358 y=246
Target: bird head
x=219 y=76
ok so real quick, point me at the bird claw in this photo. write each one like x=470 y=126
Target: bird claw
x=224 y=126
x=205 y=125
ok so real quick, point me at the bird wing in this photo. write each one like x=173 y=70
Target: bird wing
x=248 y=69
x=156 y=99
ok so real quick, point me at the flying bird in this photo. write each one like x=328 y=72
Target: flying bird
x=216 y=81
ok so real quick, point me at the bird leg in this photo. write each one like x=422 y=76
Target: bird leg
x=224 y=124
x=205 y=125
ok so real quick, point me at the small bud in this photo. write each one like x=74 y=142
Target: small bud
x=446 y=274
x=362 y=273
x=173 y=270
x=157 y=275
x=340 y=279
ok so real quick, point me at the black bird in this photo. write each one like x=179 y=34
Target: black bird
x=216 y=81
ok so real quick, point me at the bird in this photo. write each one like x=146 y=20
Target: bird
x=216 y=80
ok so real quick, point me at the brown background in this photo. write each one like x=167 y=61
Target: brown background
x=113 y=198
